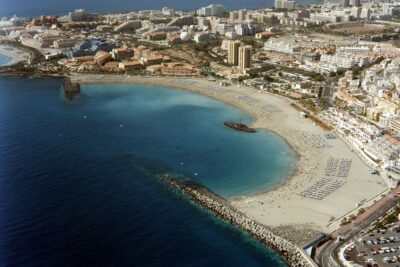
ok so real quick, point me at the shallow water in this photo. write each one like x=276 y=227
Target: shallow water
x=77 y=184
x=4 y=59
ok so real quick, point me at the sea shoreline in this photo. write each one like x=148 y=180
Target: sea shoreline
x=294 y=217
x=254 y=118
x=221 y=208
x=14 y=53
x=47 y=95
x=279 y=206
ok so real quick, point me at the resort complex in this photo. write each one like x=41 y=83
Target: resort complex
x=324 y=77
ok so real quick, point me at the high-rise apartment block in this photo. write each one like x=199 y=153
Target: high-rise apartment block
x=245 y=54
x=287 y=4
x=233 y=52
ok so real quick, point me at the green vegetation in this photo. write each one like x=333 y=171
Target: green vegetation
x=324 y=103
x=390 y=218
x=378 y=225
x=340 y=104
x=206 y=46
x=344 y=221
x=308 y=104
x=358 y=70
x=198 y=54
x=22 y=67
x=269 y=79
x=314 y=75
x=360 y=211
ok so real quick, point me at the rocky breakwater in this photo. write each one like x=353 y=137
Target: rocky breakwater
x=239 y=127
x=221 y=208
x=70 y=88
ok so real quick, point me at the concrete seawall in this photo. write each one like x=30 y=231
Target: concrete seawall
x=220 y=207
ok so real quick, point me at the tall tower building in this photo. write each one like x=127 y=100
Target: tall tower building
x=242 y=14
x=233 y=52
x=278 y=3
x=355 y=12
x=345 y=3
x=356 y=2
x=233 y=16
x=288 y=4
x=365 y=13
x=245 y=54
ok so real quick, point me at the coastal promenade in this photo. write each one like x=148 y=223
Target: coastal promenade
x=286 y=206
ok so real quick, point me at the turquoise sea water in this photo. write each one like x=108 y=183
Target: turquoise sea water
x=4 y=59
x=77 y=184
x=185 y=132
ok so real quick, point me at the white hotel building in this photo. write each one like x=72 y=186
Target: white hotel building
x=211 y=10
x=278 y=45
x=339 y=61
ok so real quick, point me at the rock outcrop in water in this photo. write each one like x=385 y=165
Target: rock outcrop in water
x=70 y=88
x=221 y=208
x=239 y=126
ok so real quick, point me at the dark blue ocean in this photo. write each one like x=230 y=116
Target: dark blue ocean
x=77 y=185
x=27 y=8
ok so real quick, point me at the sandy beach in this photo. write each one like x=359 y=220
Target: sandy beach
x=288 y=206
x=15 y=54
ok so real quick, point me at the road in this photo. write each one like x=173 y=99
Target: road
x=328 y=256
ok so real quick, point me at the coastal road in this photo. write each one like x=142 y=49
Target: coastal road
x=328 y=259
x=329 y=255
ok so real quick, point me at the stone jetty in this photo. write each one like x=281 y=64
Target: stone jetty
x=221 y=208
x=71 y=87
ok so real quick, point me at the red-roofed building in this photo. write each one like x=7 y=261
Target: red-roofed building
x=102 y=57
x=130 y=65
x=111 y=66
x=263 y=35
x=175 y=69
x=121 y=53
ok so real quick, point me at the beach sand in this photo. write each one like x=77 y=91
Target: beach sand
x=282 y=207
x=15 y=54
